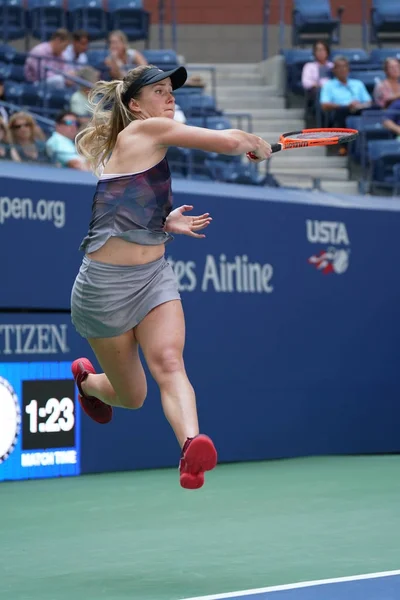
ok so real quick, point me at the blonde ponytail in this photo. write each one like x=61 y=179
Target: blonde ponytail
x=109 y=117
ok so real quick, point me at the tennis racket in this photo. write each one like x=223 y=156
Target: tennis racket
x=311 y=137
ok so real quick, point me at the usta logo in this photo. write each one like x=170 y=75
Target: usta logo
x=330 y=259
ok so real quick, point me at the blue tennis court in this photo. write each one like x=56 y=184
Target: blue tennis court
x=373 y=586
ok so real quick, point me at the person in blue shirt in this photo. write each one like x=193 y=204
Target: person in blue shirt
x=343 y=95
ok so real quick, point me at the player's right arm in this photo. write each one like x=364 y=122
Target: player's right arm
x=167 y=132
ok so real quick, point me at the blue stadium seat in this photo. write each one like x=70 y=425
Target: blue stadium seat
x=233 y=171
x=130 y=17
x=295 y=60
x=383 y=155
x=385 y=21
x=45 y=16
x=13 y=92
x=178 y=160
x=57 y=100
x=96 y=57
x=313 y=20
x=90 y=16
x=201 y=105
x=396 y=176
x=358 y=59
x=379 y=55
x=163 y=59
x=31 y=95
x=370 y=128
x=369 y=78
x=7 y=53
x=12 y=72
x=12 y=20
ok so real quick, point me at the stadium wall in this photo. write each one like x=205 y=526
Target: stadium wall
x=291 y=303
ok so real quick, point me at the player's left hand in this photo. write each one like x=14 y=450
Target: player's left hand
x=179 y=223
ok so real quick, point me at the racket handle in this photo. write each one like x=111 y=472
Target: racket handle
x=276 y=148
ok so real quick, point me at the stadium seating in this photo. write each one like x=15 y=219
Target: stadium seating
x=90 y=16
x=12 y=20
x=313 y=20
x=130 y=16
x=385 y=21
x=44 y=17
x=20 y=19
x=382 y=156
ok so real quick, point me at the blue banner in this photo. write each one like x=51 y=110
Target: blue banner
x=291 y=307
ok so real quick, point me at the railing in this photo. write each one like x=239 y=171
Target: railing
x=281 y=25
x=265 y=23
x=161 y=22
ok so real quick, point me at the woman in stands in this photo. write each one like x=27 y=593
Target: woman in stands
x=122 y=58
x=388 y=90
x=27 y=139
x=126 y=294
x=313 y=76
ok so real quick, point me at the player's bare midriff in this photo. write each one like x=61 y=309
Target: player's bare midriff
x=120 y=252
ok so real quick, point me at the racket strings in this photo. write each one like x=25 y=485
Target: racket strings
x=315 y=135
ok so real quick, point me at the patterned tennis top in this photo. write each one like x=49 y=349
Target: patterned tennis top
x=133 y=207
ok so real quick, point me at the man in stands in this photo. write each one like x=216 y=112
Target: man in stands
x=61 y=147
x=76 y=52
x=342 y=95
x=49 y=54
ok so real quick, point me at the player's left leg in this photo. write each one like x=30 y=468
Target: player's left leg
x=161 y=336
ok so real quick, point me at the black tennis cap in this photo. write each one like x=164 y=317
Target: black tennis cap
x=153 y=75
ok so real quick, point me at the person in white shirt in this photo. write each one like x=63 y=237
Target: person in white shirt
x=76 y=52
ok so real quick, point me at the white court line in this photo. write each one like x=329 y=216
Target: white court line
x=294 y=586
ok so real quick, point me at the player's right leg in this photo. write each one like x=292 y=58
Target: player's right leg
x=123 y=382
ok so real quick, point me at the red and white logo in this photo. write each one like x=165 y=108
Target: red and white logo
x=330 y=259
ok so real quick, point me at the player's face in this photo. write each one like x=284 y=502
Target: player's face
x=157 y=100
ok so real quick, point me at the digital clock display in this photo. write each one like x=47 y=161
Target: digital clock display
x=39 y=421
x=48 y=414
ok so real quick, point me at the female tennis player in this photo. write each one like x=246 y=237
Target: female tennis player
x=125 y=294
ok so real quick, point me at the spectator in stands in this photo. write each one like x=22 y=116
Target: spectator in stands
x=61 y=145
x=122 y=58
x=79 y=99
x=317 y=72
x=49 y=54
x=388 y=90
x=342 y=95
x=27 y=139
x=76 y=52
x=6 y=152
x=392 y=118
x=3 y=110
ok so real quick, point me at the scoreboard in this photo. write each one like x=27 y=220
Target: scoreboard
x=39 y=421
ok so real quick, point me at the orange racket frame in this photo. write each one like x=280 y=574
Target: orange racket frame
x=287 y=141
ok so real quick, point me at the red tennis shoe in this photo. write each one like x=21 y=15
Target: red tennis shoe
x=93 y=407
x=198 y=455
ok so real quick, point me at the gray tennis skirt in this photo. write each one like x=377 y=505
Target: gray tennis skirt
x=108 y=300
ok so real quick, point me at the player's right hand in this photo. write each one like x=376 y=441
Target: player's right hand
x=262 y=152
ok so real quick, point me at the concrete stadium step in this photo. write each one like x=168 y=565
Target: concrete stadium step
x=331 y=187
x=250 y=91
x=272 y=103
x=239 y=68
x=341 y=187
x=296 y=159
x=276 y=125
x=333 y=174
